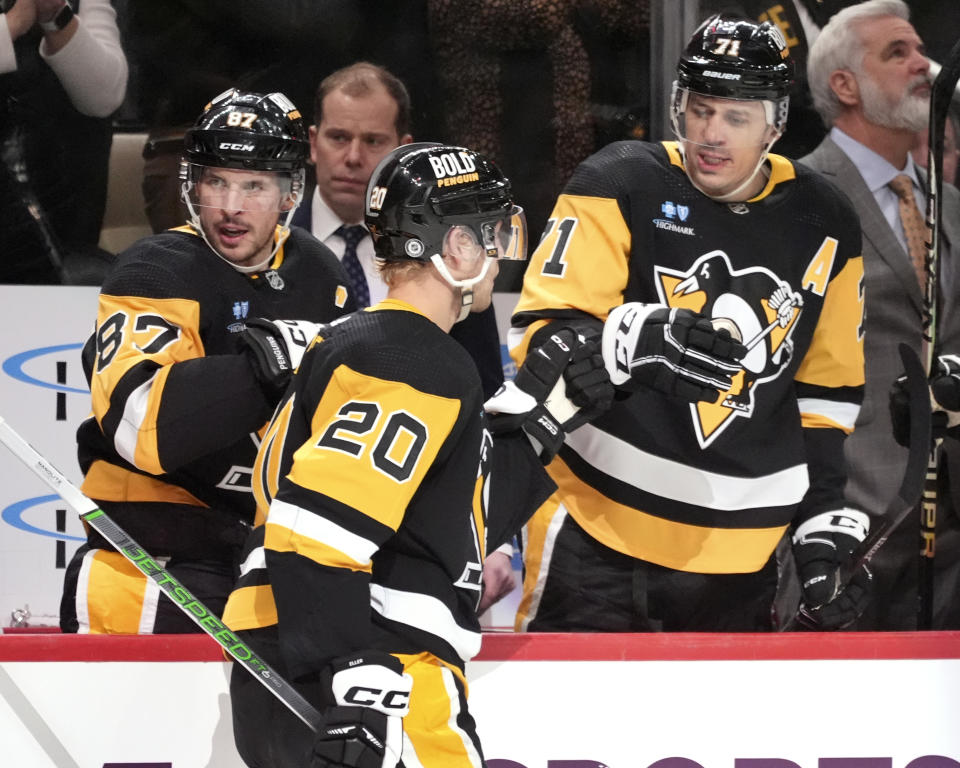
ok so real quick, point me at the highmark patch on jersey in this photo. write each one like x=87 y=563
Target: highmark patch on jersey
x=763 y=307
x=674 y=217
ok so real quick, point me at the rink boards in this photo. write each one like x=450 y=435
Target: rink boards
x=866 y=700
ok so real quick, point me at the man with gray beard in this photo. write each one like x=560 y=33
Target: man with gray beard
x=870 y=83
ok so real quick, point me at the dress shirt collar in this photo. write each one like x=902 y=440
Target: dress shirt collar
x=323 y=221
x=876 y=171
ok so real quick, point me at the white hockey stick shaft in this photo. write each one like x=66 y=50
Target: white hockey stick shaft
x=180 y=595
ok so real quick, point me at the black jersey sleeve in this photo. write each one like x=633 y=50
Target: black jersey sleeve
x=519 y=485
x=159 y=399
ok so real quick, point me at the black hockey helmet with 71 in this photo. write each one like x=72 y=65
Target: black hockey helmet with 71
x=736 y=58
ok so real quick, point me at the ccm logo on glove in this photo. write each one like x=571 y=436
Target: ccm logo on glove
x=362 y=696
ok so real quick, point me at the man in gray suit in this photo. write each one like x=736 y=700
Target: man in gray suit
x=870 y=83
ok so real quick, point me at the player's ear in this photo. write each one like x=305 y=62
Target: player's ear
x=461 y=252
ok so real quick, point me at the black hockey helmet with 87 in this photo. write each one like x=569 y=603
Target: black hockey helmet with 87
x=248 y=131
x=245 y=134
x=419 y=192
x=736 y=58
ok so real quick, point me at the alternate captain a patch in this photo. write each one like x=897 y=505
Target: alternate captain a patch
x=763 y=307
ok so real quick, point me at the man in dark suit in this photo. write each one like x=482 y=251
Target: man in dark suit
x=870 y=83
x=361 y=112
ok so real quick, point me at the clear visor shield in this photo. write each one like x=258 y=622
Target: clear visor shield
x=501 y=238
x=237 y=190
x=714 y=121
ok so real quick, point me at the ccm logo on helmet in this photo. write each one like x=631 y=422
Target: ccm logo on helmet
x=236 y=147
x=367 y=697
x=453 y=168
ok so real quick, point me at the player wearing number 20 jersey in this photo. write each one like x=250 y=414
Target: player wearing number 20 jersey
x=380 y=488
x=354 y=455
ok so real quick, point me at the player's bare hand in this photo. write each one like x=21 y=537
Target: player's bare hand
x=499 y=580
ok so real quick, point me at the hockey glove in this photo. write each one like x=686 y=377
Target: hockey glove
x=363 y=727
x=537 y=401
x=674 y=351
x=821 y=546
x=275 y=348
x=944 y=400
x=587 y=382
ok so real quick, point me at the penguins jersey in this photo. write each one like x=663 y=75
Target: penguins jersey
x=372 y=483
x=707 y=487
x=176 y=406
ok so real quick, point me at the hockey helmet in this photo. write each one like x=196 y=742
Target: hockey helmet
x=736 y=58
x=248 y=131
x=423 y=196
x=239 y=138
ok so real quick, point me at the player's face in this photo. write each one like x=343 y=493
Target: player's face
x=894 y=90
x=239 y=211
x=723 y=141
x=355 y=132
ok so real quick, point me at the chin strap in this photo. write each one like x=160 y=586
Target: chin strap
x=465 y=285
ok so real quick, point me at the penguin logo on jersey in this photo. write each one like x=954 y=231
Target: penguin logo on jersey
x=762 y=307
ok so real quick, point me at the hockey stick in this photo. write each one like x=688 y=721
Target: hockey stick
x=911 y=484
x=940 y=96
x=89 y=512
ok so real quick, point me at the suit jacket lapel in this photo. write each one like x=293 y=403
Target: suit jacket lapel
x=874 y=226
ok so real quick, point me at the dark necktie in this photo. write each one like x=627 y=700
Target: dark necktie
x=358 y=281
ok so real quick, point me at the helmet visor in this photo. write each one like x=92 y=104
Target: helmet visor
x=236 y=190
x=716 y=121
x=507 y=235
x=504 y=237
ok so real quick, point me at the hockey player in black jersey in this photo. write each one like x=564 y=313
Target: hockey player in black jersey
x=675 y=507
x=181 y=387
x=381 y=484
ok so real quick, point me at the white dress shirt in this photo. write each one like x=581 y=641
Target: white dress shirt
x=877 y=173
x=324 y=224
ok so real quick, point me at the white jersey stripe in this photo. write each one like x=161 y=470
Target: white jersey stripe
x=255 y=561
x=134 y=412
x=556 y=522
x=312 y=526
x=683 y=483
x=844 y=414
x=425 y=613
x=453 y=696
x=82 y=596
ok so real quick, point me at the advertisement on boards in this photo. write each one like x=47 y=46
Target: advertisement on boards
x=44 y=397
